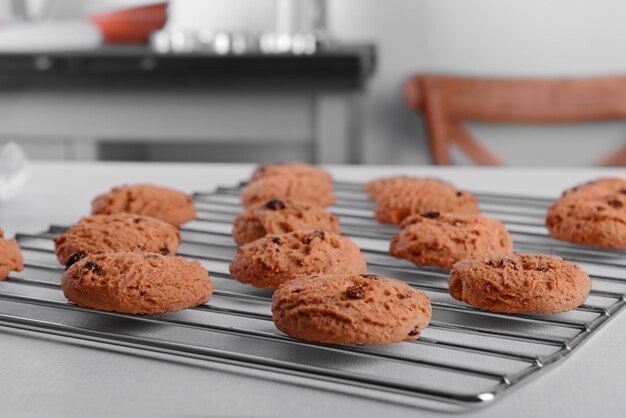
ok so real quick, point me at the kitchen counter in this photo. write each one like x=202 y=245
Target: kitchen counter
x=43 y=375
x=309 y=106
x=338 y=67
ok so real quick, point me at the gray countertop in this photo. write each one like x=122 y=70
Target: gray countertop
x=54 y=376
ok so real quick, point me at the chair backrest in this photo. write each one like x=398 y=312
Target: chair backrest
x=448 y=101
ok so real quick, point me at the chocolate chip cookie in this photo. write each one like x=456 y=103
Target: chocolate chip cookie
x=136 y=283
x=376 y=187
x=302 y=189
x=395 y=203
x=279 y=217
x=350 y=309
x=276 y=259
x=519 y=283
x=10 y=257
x=114 y=233
x=592 y=214
x=604 y=185
x=313 y=173
x=162 y=203
x=442 y=239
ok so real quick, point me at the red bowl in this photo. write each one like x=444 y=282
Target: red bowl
x=130 y=26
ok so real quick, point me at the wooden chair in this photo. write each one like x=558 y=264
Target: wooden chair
x=447 y=102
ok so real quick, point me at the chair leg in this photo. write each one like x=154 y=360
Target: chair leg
x=470 y=145
x=435 y=123
x=618 y=158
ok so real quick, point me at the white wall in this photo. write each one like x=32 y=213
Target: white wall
x=482 y=37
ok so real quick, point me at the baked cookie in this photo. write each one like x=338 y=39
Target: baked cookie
x=601 y=186
x=10 y=257
x=279 y=217
x=442 y=239
x=314 y=173
x=590 y=218
x=395 y=203
x=350 y=309
x=276 y=259
x=519 y=283
x=114 y=233
x=303 y=189
x=376 y=187
x=136 y=283
x=162 y=203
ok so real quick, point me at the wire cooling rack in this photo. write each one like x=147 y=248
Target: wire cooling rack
x=465 y=356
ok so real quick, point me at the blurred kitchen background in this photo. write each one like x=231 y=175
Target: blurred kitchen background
x=268 y=80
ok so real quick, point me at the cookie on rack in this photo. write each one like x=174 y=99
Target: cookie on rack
x=313 y=173
x=297 y=188
x=350 y=309
x=442 y=239
x=593 y=215
x=601 y=186
x=519 y=283
x=163 y=203
x=136 y=283
x=395 y=203
x=276 y=259
x=98 y=234
x=10 y=256
x=375 y=187
x=279 y=217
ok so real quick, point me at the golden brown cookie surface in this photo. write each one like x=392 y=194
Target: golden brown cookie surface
x=136 y=283
x=297 y=168
x=395 y=203
x=159 y=202
x=114 y=233
x=350 y=309
x=375 y=187
x=603 y=185
x=440 y=239
x=519 y=283
x=10 y=257
x=592 y=214
x=281 y=216
x=273 y=260
x=302 y=189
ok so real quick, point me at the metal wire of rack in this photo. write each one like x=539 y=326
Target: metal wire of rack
x=465 y=357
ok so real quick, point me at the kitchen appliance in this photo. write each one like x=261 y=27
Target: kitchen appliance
x=465 y=357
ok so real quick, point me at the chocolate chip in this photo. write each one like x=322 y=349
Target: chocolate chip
x=431 y=214
x=142 y=293
x=459 y=193
x=96 y=269
x=165 y=250
x=501 y=262
x=356 y=292
x=316 y=234
x=370 y=276
x=275 y=204
x=401 y=296
x=297 y=290
x=151 y=256
x=600 y=208
x=74 y=258
x=542 y=268
x=276 y=240
x=506 y=261
x=137 y=220
x=615 y=203
x=415 y=331
x=622 y=191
